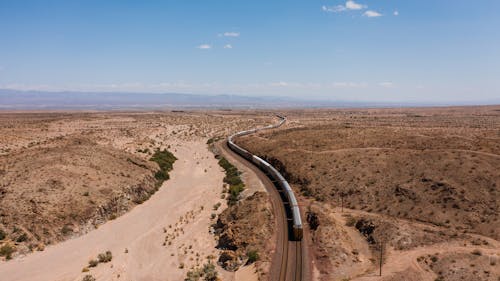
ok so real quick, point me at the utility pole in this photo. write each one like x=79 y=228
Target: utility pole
x=381 y=253
x=342 y=201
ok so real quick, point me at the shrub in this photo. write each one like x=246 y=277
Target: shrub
x=216 y=206
x=23 y=237
x=233 y=179
x=105 y=257
x=93 y=263
x=209 y=272
x=66 y=229
x=88 y=277
x=350 y=221
x=7 y=251
x=253 y=256
x=2 y=234
x=165 y=160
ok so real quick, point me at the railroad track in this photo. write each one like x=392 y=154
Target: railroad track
x=289 y=252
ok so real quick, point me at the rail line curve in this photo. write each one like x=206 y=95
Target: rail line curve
x=291 y=252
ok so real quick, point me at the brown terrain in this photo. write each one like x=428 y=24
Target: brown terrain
x=88 y=179
x=422 y=183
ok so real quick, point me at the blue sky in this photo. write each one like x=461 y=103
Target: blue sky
x=428 y=51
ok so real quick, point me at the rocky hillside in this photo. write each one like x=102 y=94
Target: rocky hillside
x=51 y=194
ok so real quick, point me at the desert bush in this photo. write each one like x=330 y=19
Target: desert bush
x=233 y=179
x=65 y=230
x=7 y=251
x=2 y=234
x=88 y=277
x=209 y=272
x=350 y=221
x=93 y=263
x=105 y=257
x=253 y=256
x=313 y=220
x=23 y=237
x=165 y=160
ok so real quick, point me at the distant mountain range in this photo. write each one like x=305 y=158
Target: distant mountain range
x=66 y=100
x=15 y=100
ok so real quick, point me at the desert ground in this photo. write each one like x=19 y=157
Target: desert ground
x=413 y=189
x=419 y=183
x=79 y=196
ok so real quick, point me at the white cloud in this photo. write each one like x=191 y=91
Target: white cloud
x=228 y=46
x=386 y=84
x=372 y=14
x=396 y=13
x=333 y=9
x=231 y=34
x=349 y=5
x=343 y=85
x=204 y=47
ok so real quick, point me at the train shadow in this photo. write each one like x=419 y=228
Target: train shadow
x=286 y=204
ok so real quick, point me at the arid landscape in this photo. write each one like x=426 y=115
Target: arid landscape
x=421 y=183
x=156 y=196
x=70 y=180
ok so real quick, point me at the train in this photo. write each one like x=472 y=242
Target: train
x=291 y=204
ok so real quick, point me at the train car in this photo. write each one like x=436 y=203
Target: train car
x=296 y=225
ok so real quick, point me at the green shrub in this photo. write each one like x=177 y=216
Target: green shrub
x=209 y=272
x=233 y=179
x=165 y=160
x=253 y=256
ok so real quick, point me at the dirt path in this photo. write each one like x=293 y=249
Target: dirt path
x=406 y=261
x=136 y=238
x=401 y=262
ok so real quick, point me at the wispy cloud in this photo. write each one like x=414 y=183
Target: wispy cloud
x=396 y=13
x=349 y=5
x=231 y=34
x=386 y=84
x=204 y=47
x=228 y=46
x=344 y=85
x=279 y=84
x=372 y=14
x=333 y=9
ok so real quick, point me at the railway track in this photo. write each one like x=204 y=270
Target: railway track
x=288 y=261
